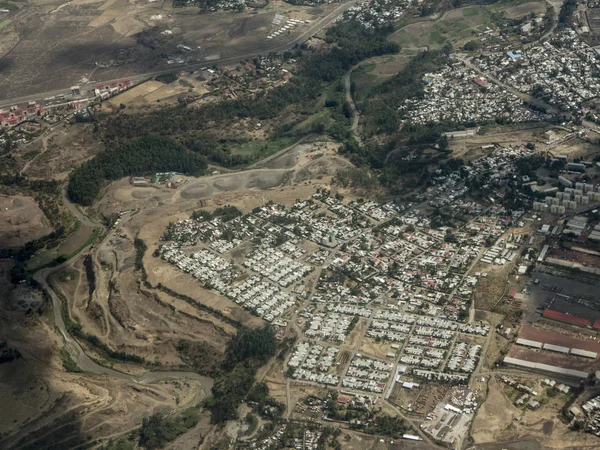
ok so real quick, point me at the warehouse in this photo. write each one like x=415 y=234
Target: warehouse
x=556 y=348
x=529 y=343
x=584 y=353
x=545 y=367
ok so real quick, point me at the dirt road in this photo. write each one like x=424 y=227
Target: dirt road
x=350 y=100
x=84 y=362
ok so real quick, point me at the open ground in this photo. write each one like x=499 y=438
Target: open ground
x=49 y=45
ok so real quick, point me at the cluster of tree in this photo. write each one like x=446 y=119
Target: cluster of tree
x=471 y=46
x=140 y=251
x=201 y=356
x=128 y=442
x=353 y=43
x=250 y=347
x=528 y=166
x=565 y=16
x=216 y=151
x=38 y=186
x=246 y=351
x=263 y=404
x=328 y=439
x=188 y=126
x=20 y=256
x=114 y=354
x=384 y=425
x=201 y=306
x=167 y=78
x=304 y=2
x=335 y=411
x=7 y=144
x=8 y=354
x=180 y=121
x=158 y=429
x=225 y=213
x=143 y=156
x=88 y=263
x=204 y=5
x=75 y=329
x=380 y=109
x=408 y=83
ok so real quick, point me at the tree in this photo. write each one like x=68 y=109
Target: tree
x=471 y=46
x=158 y=430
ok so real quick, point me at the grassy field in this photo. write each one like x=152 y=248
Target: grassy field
x=455 y=26
x=518 y=8
x=260 y=149
x=5 y=23
x=363 y=79
x=9 y=6
x=321 y=116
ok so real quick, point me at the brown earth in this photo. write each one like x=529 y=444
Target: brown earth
x=21 y=221
x=52 y=408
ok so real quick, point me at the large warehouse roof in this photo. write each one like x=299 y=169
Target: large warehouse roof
x=545 y=367
x=529 y=343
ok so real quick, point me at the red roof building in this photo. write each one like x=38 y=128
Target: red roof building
x=596 y=324
x=562 y=317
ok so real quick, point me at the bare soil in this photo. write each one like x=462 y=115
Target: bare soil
x=21 y=221
x=53 y=408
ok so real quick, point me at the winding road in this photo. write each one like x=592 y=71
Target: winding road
x=83 y=361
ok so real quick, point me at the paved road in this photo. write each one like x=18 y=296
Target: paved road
x=314 y=29
x=415 y=426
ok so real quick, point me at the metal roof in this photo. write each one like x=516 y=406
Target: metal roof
x=585 y=353
x=529 y=343
x=545 y=367
x=556 y=348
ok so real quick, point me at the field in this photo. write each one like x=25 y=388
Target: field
x=519 y=8
x=499 y=424
x=154 y=92
x=456 y=26
x=52 y=44
x=365 y=78
x=261 y=149
x=490 y=289
x=53 y=408
x=58 y=153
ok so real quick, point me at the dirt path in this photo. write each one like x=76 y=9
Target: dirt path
x=44 y=140
x=350 y=100
x=262 y=162
x=415 y=426
x=83 y=361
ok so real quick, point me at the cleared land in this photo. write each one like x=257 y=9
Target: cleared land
x=21 y=221
x=48 y=45
x=53 y=408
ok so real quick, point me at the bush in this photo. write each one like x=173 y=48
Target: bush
x=471 y=46
x=157 y=431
